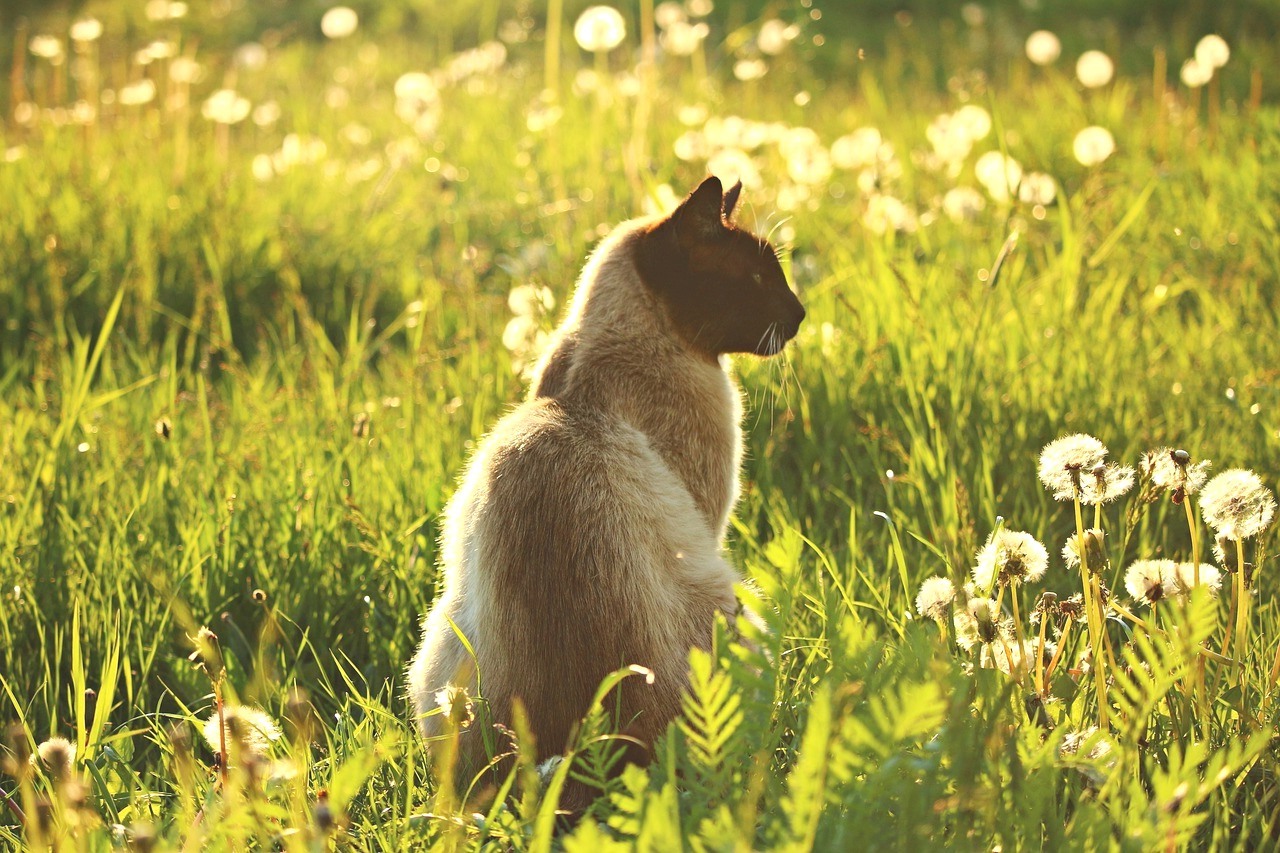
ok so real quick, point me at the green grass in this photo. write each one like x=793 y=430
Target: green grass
x=212 y=384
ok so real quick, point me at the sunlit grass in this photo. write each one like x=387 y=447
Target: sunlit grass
x=256 y=305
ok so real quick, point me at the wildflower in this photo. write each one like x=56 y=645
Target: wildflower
x=774 y=36
x=998 y=174
x=1095 y=555
x=857 y=149
x=1212 y=51
x=935 y=597
x=599 y=29
x=1043 y=47
x=1237 y=505
x=699 y=8
x=58 y=756
x=1093 y=145
x=669 y=13
x=1094 y=69
x=1013 y=657
x=1072 y=607
x=46 y=47
x=225 y=106
x=979 y=623
x=1065 y=461
x=1149 y=581
x=1184 y=578
x=266 y=114
x=251 y=729
x=973 y=120
x=339 y=22
x=250 y=56
x=531 y=300
x=1009 y=556
x=1195 y=73
x=750 y=69
x=1224 y=551
x=683 y=38
x=1073 y=741
x=962 y=203
x=456 y=706
x=1173 y=470
x=1105 y=483
x=86 y=30
x=184 y=69
x=1037 y=188
x=885 y=213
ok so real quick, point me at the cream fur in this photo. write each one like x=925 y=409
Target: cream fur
x=586 y=532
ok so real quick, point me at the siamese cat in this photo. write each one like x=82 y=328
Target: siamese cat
x=586 y=532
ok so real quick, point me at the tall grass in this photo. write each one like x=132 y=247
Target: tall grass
x=237 y=403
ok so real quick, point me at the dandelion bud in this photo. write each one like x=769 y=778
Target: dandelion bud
x=1094 y=552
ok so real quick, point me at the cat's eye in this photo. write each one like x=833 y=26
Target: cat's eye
x=757 y=278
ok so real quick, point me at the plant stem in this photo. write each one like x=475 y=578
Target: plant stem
x=1095 y=629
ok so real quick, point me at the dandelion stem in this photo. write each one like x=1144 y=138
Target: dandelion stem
x=1242 y=614
x=1061 y=644
x=1095 y=629
x=1040 y=674
x=1017 y=624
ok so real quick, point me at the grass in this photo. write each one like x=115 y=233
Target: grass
x=240 y=404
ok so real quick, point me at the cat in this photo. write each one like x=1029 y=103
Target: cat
x=586 y=532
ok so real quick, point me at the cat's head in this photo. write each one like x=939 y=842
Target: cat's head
x=722 y=285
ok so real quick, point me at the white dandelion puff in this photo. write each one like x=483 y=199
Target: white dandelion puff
x=1237 y=505
x=935 y=597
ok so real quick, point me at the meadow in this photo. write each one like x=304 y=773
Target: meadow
x=268 y=274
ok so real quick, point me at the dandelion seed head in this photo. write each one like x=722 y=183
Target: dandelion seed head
x=1093 y=145
x=1064 y=462
x=1171 y=470
x=339 y=22
x=1037 y=188
x=1212 y=51
x=1009 y=556
x=137 y=93
x=935 y=597
x=1043 y=47
x=1149 y=581
x=775 y=35
x=1094 y=69
x=46 y=47
x=963 y=204
x=750 y=69
x=226 y=106
x=58 y=756
x=599 y=29
x=668 y=13
x=1184 y=578
x=858 y=149
x=86 y=30
x=1195 y=73
x=1237 y=505
x=998 y=174
x=683 y=38
x=252 y=729
x=1105 y=483
x=456 y=706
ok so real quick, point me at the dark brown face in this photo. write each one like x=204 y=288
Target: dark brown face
x=723 y=286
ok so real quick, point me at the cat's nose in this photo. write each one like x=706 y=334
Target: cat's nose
x=797 y=316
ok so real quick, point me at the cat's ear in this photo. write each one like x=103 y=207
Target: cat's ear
x=731 y=200
x=699 y=217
